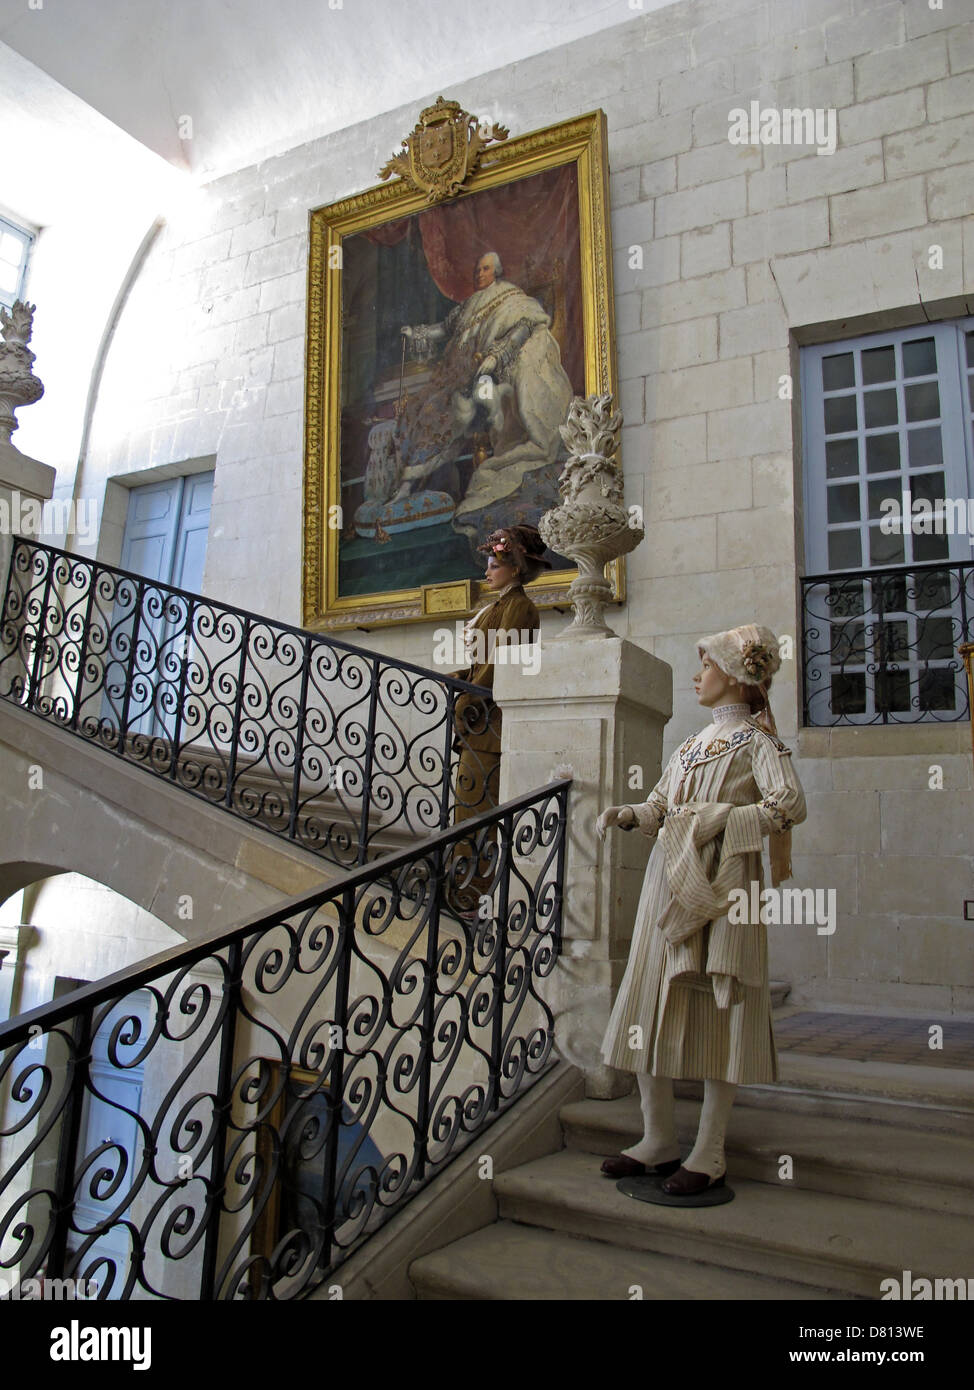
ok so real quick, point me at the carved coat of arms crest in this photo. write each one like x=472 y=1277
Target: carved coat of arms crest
x=442 y=150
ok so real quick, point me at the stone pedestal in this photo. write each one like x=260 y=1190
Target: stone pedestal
x=597 y=706
x=22 y=480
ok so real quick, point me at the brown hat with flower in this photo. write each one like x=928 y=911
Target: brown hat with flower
x=520 y=546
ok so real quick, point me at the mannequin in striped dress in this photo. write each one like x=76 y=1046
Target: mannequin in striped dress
x=694 y=1001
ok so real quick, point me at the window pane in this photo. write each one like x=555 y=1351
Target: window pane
x=935 y=639
x=880 y=408
x=969 y=338
x=937 y=690
x=922 y=402
x=919 y=357
x=924 y=446
x=880 y=492
x=885 y=550
x=840 y=414
x=845 y=551
x=930 y=548
x=838 y=372
x=931 y=590
x=882 y=453
x=843 y=502
x=889 y=592
x=970 y=390
x=879 y=364
x=849 y=694
x=845 y=598
x=930 y=486
x=11 y=248
x=891 y=642
x=9 y=277
x=842 y=457
x=848 y=644
x=893 y=691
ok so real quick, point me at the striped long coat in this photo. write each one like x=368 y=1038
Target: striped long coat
x=694 y=1001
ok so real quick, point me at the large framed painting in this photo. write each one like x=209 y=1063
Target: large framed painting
x=453 y=313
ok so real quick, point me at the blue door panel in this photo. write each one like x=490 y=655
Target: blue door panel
x=165 y=541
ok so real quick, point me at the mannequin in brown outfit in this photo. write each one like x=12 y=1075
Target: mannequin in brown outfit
x=515 y=556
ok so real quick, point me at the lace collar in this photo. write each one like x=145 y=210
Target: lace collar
x=724 y=714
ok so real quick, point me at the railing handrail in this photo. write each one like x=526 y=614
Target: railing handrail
x=908 y=567
x=293 y=1101
x=46 y=1016
x=163 y=679
x=303 y=633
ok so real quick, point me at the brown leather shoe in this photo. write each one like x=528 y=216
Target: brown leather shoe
x=686 y=1183
x=625 y=1167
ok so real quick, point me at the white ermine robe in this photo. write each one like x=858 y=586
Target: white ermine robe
x=696 y=984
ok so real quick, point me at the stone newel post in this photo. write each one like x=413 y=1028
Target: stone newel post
x=595 y=704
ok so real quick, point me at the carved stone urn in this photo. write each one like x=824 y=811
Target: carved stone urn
x=18 y=384
x=592 y=526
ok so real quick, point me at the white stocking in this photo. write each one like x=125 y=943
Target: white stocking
x=659 y=1143
x=707 y=1155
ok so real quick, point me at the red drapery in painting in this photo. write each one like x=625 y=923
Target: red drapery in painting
x=530 y=223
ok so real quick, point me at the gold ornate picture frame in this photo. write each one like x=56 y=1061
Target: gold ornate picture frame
x=419 y=442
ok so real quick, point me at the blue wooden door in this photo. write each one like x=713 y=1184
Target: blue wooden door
x=165 y=542
x=108 y=1124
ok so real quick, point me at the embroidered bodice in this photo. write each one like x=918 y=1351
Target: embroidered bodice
x=733 y=760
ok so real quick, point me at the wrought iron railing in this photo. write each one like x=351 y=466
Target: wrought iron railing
x=880 y=646
x=233 y=1117
x=338 y=749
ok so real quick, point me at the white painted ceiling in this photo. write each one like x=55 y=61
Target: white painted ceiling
x=254 y=76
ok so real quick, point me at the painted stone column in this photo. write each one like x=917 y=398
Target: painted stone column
x=592 y=703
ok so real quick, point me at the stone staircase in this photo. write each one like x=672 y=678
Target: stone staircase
x=883 y=1158
x=265 y=784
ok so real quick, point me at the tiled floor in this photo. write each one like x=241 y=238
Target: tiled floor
x=873 y=1038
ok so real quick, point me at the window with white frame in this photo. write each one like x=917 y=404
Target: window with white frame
x=15 y=244
x=888 y=477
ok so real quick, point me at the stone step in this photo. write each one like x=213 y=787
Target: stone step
x=508 y=1261
x=932 y=1099
x=835 y=1243
x=851 y=1158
